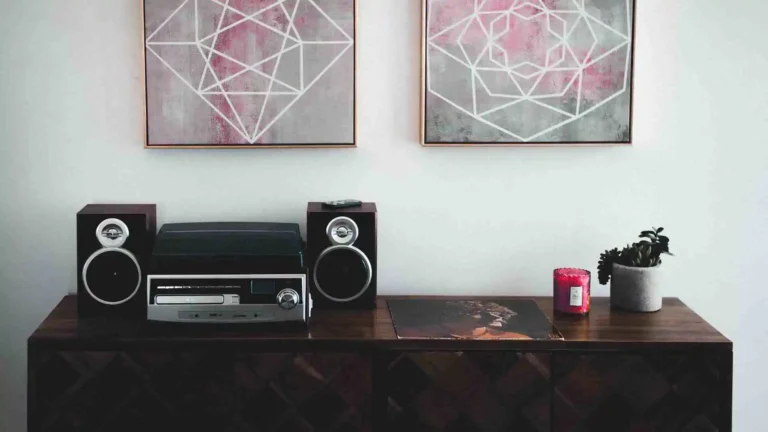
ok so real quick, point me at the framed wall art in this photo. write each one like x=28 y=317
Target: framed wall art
x=510 y=72
x=250 y=73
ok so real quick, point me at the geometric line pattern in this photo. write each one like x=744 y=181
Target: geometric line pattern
x=258 y=81
x=495 y=19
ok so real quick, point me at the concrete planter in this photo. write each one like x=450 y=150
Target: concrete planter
x=636 y=289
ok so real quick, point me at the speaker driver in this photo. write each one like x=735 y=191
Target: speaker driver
x=112 y=276
x=342 y=231
x=342 y=273
x=112 y=232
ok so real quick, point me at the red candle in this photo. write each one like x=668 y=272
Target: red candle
x=571 y=291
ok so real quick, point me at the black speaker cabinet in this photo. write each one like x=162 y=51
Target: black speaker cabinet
x=341 y=252
x=114 y=242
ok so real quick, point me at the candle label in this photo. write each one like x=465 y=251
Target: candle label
x=576 y=296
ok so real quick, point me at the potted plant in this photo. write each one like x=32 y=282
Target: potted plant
x=634 y=272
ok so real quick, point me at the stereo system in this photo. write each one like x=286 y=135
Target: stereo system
x=237 y=272
x=113 y=244
x=341 y=252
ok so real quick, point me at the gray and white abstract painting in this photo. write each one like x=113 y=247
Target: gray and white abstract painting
x=250 y=72
x=528 y=71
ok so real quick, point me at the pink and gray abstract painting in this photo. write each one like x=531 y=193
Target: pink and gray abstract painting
x=528 y=71
x=250 y=72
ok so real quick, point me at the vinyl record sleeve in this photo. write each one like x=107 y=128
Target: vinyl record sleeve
x=518 y=319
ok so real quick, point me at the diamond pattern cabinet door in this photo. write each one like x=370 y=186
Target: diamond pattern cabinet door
x=642 y=393
x=468 y=391
x=199 y=391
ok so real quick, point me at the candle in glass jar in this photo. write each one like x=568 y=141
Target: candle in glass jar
x=571 y=291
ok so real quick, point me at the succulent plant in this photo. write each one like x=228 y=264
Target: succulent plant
x=644 y=253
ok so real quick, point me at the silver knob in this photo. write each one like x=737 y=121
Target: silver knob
x=287 y=298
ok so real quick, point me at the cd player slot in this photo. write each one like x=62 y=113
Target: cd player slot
x=226 y=299
x=183 y=299
x=198 y=287
x=192 y=284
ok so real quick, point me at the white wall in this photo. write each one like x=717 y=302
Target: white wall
x=452 y=220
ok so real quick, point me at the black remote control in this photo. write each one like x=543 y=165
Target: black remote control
x=342 y=204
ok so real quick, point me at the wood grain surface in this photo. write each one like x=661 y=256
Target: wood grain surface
x=675 y=327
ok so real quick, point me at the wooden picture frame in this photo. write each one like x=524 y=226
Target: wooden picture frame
x=424 y=75
x=146 y=51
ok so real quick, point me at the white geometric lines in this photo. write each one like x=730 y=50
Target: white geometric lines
x=249 y=61
x=528 y=66
x=527 y=11
x=170 y=17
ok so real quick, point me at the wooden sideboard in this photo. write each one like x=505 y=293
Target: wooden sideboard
x=614 y=371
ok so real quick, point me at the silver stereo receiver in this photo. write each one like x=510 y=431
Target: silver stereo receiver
x=228 y=273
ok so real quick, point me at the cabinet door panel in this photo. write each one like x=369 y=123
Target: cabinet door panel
x=468 y=391
x=618 y=392
x=199 y=391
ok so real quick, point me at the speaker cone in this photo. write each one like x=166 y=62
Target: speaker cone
x=112 y=276
x=342 y=231
x=112 y=232
x=342 y=273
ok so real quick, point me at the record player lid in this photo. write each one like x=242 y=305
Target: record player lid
x=252 y=239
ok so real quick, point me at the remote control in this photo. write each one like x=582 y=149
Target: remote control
x=343 y=204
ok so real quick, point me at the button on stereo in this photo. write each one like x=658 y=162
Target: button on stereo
x=224 y=316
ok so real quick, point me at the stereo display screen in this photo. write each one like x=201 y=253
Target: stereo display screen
x=262 y=287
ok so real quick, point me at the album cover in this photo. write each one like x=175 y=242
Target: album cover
x=470 y=319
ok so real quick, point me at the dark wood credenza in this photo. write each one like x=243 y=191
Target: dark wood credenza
x=615 y=371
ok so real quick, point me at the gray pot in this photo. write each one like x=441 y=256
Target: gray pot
x=636 y=289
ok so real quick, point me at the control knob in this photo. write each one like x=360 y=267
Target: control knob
x=288 y=298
